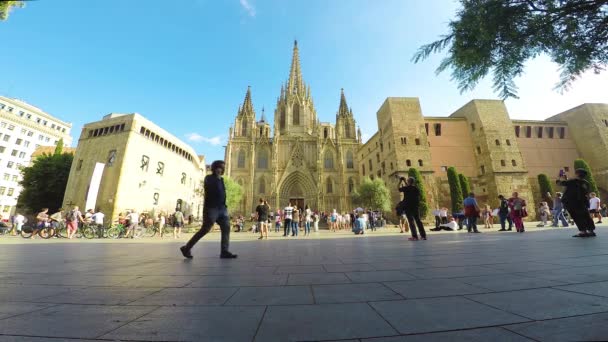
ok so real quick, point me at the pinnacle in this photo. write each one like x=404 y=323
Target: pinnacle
x=295 y=82
x=247 y=108
x=343 y=109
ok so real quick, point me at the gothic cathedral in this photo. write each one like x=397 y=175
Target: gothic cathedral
x=300 y=160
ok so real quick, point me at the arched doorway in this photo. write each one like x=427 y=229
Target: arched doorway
x=298 y=189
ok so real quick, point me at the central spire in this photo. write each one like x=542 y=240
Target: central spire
x=295 y=83
x=343 y=110
x=247 y=108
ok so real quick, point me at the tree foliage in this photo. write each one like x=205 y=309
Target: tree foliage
x=582 y=164
x=464 y=185
x=234 y=193
x=498 y=36
x=455 y=190
x=59 y=147
x=7 y=5
x=44 y=182
x=372 y=194
x=424 y=206
x=544 y=185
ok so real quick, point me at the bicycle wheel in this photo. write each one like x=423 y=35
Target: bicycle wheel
x=26 y=232
x=139 y=232
x=89 y=232
x=168 y=231
x=46 y=232
x=114 y=232
x=150 y=232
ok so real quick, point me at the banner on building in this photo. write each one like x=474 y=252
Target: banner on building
x=94 y=186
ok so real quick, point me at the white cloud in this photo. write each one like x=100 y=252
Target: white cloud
x=248 y=7
x=195 y=137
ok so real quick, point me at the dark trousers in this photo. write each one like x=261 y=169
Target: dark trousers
x=413 y=217
x=210 y=217
x=504 y=218
x=581 y=218
x=437 y=222
x=287 y=226
x=444 y=219
x=471 y=223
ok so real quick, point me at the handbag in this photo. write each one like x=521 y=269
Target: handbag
x=524 y=212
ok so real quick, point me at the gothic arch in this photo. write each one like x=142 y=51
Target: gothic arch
x=241 y=158
x=296 y=113
x=350 y=163
x=328 y=159
x=262 y=158
x=298 y=185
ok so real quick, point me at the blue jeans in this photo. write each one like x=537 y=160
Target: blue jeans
x=295 y=227
x=472 y=223
x=307 y=228
x=505 y=218
x=277 y=227
x=558 y=215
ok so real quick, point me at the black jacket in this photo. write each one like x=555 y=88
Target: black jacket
x=215 y=192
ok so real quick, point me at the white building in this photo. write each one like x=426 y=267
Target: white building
x=23 y=128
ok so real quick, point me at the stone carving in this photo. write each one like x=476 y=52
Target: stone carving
x=160 y=168
x=145 y=161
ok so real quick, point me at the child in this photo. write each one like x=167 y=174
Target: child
x=543 y=210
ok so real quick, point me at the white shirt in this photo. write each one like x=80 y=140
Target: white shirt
x=436 y=212
x=451 y=224
x=308 y=215
x=98 y=217
x=594 y=203
x=133 y=218
x=288 y=212
x=443 y=213
x=19 y=219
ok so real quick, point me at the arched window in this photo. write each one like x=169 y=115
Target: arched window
x=497 y=142
x=329 y=186
x=263 y=159
x=508 y=142
x=351 y=186
x=408 y=162
x=282 y=120
x=329 y=160
x=349 y=160
x=241 y=160
x=419 y=162
x=296 y=114
x=244 y=128
x=513 y=162
x=363 y=169
x=262 y=186
x=347 y=131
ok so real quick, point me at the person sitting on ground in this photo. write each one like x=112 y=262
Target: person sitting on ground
x=450 y=226
x=359 y=225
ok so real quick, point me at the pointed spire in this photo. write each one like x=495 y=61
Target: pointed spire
x=247 y=108
x=295 y=83
x=263 y=119
x=343 y=109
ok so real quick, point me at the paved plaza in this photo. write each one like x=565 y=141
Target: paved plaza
x=541 y=285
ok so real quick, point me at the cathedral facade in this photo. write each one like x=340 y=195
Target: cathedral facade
x=300 y=160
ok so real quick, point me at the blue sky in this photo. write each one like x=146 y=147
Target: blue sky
x=187 y=65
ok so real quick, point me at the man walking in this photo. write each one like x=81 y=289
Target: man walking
x=558 y=211
x=471 y=211
x=411 y=196
x=503 y=214
x=575 y=200
x=214 y=211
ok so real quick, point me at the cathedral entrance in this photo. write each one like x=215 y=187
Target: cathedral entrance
x=298 y=189
x=299 y=202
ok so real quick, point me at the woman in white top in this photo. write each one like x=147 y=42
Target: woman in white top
x=594 y=207
x=308 y=220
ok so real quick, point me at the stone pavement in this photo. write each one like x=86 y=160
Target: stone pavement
x=543 y=286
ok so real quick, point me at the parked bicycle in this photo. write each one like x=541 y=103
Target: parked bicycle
x=119 y=230
x=155 y=229
x=92 y=230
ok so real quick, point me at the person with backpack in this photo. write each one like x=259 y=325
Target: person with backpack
x=73 y=217
x=575 y=201
x=518 y=211
x=503 y=214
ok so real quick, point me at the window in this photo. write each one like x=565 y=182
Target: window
x=21 y=113
x=517 y=130
x=403 y=140
x=417 y=141
x=10 y=109
x=296 y=114
x=14 y=153
x=263 y=159
x=7 y=138
x=3 y=125
x=426 y=128
x=26 y=144
x=349 y=160
x=40 y=137
x=378 y=157
x=111 y=157
x=381 y=147
x=503 y=163
x=244 y=128
x=561 y=132
x=482 y=169
x=444 y=168
x=282 y=119
x=79 y=165
x=29 y=116
x=262 y=186
x=44 y=122
x=329 y=187
x=392 y=166
x=325 y=133
x=47 y=139
x=528 y=132
x=550 y=131
x=329 y=160
x=10 y=192
x=478 y=150
x=420 y=162
x=2 y=190
x=2 y=105
x=437 y=127
x=30 y=133
x=11 y=127
x=23 y=131
x=21 y=154
x=15 y=178
x=7 y=176
x=363 y=170
x=241 y=160
x=472 y=127
x=513 y=162
x=370 y=166
x=18 y=142
x=2 y=148
x=351 y=186
x=408 y=162
x=497 y=142
x=53 y=126
x=38 y=120
x=508 y=142
x=10 y=164
x=539 y=131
